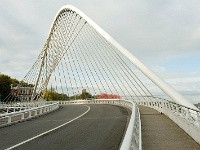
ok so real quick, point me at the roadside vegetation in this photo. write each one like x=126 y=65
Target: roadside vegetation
x=5 y=85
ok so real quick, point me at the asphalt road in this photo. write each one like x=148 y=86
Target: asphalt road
x=74 y=127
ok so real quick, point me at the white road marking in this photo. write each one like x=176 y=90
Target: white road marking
x=48 y=131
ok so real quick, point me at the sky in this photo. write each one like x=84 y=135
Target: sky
x=164 y=35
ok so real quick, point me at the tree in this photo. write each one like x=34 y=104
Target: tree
x=5 y=85
x=52 y=95
x=15 y=82
x=85 y=95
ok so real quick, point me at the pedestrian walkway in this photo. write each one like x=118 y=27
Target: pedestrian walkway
x=160 y=133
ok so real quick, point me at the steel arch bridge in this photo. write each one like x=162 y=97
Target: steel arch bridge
x=79 y=56
x=79 y=49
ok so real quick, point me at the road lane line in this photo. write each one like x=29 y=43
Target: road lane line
x=48 y=131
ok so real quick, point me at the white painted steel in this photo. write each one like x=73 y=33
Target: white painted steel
x=27 y=113
x=165 y=87
x=132 y=139
x=19 y=106
x=133 y=133
x=186 y=118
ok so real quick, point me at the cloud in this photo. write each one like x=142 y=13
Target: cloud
x=160 y=28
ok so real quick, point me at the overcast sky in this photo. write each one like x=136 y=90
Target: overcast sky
x=164 y=35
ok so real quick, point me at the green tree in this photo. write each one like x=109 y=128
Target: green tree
x=85 y=95
x=15 y=82
x=5 y=85
x=52 y=95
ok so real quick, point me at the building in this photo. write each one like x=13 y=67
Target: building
x=23 y=91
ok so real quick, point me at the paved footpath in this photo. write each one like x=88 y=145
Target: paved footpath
x=160 y=133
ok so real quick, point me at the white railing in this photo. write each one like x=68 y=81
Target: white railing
x=13 y=117
x=132 y=139
x=19 y=106
x=186 y=118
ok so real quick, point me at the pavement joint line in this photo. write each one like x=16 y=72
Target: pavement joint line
x=39 y=135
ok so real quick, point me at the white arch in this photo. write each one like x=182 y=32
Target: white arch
x=166 y=88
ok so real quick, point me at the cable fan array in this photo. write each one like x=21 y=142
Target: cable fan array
x=75 y=60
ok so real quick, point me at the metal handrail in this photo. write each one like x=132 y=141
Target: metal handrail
x=42 y=110
x=163 y=105
x=27 y=110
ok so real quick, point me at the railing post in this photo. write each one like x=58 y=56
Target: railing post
x=29 y=114
x=22 y=117
x=40 y=111
x=9 y=119
x=187 y=117
x=35 y=114
x=198 y=118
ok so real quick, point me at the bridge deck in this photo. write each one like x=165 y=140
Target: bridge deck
x=159 y=132
x=102 y=128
